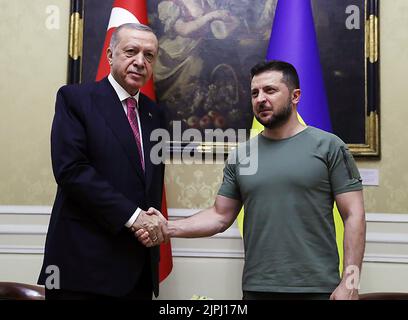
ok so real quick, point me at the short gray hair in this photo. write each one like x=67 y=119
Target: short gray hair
x=135 y=26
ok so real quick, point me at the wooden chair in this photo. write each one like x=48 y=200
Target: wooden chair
x=21 y=291
x=384 y=296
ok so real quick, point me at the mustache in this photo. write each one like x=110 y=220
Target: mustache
x=139 y=72
x=263 y=107
x=136 y=69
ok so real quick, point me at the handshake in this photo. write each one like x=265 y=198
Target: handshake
x=150 y=228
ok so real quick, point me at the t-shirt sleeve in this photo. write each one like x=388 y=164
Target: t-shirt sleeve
x=344 y=174
x=229 y=187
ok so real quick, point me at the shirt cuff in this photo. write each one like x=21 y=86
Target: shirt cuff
x=133 y=218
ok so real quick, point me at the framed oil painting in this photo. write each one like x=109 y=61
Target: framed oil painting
x=206 y=51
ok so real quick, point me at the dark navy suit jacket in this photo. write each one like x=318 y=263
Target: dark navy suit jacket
x=100 y=185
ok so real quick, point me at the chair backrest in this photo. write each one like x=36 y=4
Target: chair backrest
x=384 y=296
x=21 y=291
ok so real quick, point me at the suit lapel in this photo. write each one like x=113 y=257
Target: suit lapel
x=148 y=125
x=108 y=104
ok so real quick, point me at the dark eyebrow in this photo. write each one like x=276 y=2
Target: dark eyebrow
x=270 y=86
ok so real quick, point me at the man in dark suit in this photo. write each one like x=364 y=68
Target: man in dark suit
x=100 y=149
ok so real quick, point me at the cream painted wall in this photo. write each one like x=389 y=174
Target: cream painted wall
x=33 y=63
x=207 y=266
x=391 y=195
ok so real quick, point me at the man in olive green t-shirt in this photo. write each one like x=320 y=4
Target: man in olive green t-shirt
x=287 y=178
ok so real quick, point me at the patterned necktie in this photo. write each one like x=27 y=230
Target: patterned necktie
x=132 y=115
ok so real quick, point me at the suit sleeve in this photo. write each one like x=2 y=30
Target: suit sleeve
x=75 y=175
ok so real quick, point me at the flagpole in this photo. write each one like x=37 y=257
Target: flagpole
x=75 y=41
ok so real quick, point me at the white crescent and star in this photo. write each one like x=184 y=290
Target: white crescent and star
x=121 y=16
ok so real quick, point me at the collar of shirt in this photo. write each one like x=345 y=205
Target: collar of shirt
x=122 y=93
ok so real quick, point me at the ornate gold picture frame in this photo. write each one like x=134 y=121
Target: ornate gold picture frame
x=219 y=56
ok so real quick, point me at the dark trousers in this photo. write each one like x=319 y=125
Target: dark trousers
x=254 y=295
x=142 y=291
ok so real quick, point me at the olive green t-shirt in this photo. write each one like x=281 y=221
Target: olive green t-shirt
x=287 y=188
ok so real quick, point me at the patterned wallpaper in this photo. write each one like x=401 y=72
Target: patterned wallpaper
x=192 y=186
x=26 y=113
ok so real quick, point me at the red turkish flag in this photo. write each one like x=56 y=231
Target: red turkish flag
x=135 y=11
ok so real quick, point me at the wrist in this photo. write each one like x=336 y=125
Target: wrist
x=171 y=228
x=138 y=222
